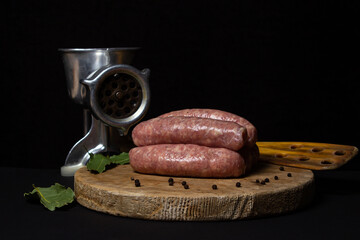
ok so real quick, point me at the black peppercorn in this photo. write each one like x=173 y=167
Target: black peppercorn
x=214 y=187
x=238 y=184
x=276 y=178
x=171 y=183
x=137 y=184
x=132 y=178
x=171 y=180
x=257 y=180
x=267 y=180
x=186 y=186
x=183 y=183
x=281 y=168
x=263 y=182
x=289 y=174
x=137 y=181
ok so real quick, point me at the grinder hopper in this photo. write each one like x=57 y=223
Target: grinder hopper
x=114 y=94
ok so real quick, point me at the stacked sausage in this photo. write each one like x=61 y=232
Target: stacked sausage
x=195 y=143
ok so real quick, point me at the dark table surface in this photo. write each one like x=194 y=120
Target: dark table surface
x=333 y=214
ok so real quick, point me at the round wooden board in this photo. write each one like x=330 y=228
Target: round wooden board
x=115 y=193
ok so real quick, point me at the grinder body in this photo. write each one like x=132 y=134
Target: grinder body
x=114 y=94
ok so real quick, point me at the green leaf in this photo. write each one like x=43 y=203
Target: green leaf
x=98 y=162
x=122 y=158
x=52 y=197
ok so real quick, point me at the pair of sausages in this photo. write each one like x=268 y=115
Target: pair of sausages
x=195 y=143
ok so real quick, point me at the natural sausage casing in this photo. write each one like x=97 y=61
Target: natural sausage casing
x=188 y=160
x=219 y=115
x=251 y=156
x=190 y=130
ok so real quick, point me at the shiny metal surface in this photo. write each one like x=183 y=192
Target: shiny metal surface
x=85 y=71
x=94 y=141
x=79 y=63
x=96 y=80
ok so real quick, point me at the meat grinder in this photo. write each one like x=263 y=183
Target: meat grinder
x=114 y=94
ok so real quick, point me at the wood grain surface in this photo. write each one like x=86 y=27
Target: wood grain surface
x=307 y=155
x=114 y=192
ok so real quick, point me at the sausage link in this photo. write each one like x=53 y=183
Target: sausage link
x=219 y=115
x=251 y=156
x=187 y=160
x=190 y=130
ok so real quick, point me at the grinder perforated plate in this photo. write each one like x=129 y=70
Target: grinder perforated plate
x=120 y=95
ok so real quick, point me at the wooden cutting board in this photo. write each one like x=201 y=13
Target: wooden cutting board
x=307 y=155
x=114 y=192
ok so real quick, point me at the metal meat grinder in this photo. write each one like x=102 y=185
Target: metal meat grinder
x=114 y=94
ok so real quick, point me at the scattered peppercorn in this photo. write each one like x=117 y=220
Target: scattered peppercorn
x=214 y=187
x=132 y=178
x=186 y=186
x=238 y=184
x=276 y=178
x=137 y=183
x=171 y=183
x=257 y=181
x=267 y=180
x=171 y=180
x=263 y=182
x=183 y=183
x=289 y=174
x=281 y=168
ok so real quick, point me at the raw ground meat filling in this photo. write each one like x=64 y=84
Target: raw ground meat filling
x=218 y=115
x=190 y=130
x=195 y=143
x=187 y=160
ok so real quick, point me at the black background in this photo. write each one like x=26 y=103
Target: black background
x=290 y=68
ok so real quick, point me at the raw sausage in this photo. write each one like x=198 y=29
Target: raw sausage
x=190 y=130
x=219 y=115
x=187 y=160
x=251 y=156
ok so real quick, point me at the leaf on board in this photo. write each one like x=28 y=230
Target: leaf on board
x=52 y=197
x=122 y=158
x=98 y=162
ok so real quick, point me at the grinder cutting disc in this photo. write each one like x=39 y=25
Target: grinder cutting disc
x=120 y=95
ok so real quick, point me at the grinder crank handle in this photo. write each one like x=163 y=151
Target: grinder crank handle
x=306 y=155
